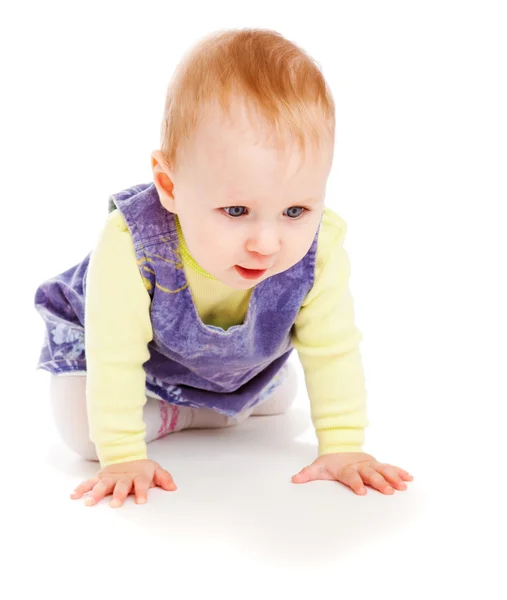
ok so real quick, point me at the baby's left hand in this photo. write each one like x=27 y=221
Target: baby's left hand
x=355 y=469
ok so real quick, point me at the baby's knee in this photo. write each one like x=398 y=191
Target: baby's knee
x=76 y=438
x=84 y=448
x=282 y=397
x=68 y=403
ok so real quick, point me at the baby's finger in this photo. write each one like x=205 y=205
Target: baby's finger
x=351 y=477
x=141 y=487
x=375 y=479
x=84 y=487
x=103 y=488
x=163 y=479
x=391 y=475
x=404 y=475
x=121 y=491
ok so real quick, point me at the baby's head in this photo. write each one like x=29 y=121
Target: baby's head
x=246 y=150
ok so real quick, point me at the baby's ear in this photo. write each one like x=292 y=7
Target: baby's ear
x=163 y=180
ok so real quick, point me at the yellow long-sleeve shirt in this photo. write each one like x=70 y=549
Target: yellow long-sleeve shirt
x=118 y=330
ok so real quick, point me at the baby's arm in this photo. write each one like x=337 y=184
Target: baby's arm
x=117 y=332
x=327 y=341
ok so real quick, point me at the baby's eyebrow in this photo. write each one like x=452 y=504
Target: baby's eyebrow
x=239 y=202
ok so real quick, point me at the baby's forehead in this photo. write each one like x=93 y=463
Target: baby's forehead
x=240 y=123
x=241 y=154
x=258 y=194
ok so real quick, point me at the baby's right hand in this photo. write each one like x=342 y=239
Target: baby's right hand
x=121 y=479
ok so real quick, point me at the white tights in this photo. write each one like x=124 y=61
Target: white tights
x=68 y=402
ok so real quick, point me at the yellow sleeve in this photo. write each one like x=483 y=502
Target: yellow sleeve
x=117 y=332
x=327 y=341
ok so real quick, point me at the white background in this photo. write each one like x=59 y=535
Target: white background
x=420 y=177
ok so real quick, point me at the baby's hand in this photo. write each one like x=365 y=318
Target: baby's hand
x=121 y=479
x=355 y=469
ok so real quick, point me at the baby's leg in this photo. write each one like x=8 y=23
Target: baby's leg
x=276 y=403
x=68 y=402
x=281 y=397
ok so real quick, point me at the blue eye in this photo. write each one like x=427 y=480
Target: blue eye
x=294 y=212
x=238 y=211
x=235 y=211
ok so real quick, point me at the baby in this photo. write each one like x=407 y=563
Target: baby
x=202 y=283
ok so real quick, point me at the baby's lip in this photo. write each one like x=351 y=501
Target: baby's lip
x=250 y=273
x=256 y=268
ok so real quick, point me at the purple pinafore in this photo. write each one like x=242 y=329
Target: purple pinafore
x=190 y=363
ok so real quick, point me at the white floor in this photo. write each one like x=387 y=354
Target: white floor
x=238 y=527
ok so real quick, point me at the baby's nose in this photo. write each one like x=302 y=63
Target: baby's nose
x=265 y=240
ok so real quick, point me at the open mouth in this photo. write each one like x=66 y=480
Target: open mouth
x=250 y=273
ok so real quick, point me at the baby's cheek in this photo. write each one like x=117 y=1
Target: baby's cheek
x=225 y=244
x=297 y=249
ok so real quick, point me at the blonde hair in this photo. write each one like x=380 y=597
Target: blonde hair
x=276 y=78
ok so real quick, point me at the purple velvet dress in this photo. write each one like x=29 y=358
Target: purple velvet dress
x=190 y=363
